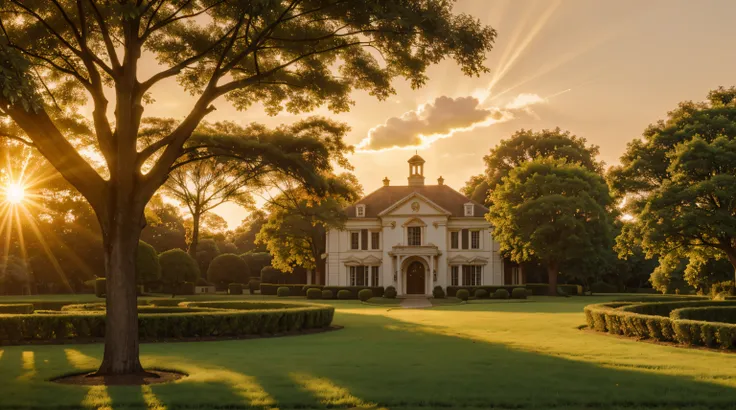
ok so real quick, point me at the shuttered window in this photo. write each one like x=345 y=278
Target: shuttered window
x=364 y=239
x=465 y=238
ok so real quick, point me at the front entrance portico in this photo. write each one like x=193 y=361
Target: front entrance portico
x=415 y=268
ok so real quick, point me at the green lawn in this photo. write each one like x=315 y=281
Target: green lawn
x=475 y=355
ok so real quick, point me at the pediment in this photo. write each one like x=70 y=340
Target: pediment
x=467 y=260
x=415 y=204
x=356 y=261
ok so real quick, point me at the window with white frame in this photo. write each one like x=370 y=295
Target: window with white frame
x=360 y=211
x=454 y=275
x=474 y=239
x=469 y=209
x=375 y=240
x=472 y=275
x=359 y=276
x=374 y=276
x=355 y=240
x=454 y=240
x=516 y=278
x=414 y=235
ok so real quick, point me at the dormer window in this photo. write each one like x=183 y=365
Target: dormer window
x=469 y=209
x=360 y=211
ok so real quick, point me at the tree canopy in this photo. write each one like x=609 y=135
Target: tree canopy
x=679 y=183
x=552 y=211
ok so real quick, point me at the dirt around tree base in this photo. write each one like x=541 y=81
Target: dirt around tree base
x=136 y=379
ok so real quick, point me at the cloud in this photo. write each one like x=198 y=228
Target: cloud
x=439 y=119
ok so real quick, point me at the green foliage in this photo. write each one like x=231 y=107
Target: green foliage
x=437 y=292
x=186 y=288
x=327 y=294
x=553 y=212
x=177 y=267
x=669 y=276
x=363 y=295
x=235 y=289
x=378 y=291
x=519 y=293
x=16 y=309
x=256 y=261
x=156 y=324
x=682 y=180
x=227 y=268
x=272 y=288
x=723 y=314
x=269 y=274
x=452 y=290
x=147 y=267
x=254 y=285
x=206 y=251
x=390 y=293
x=166 y=302
x=282 y=291
x=603 y=287
x=100 y=287
x=462 y=294
x=314 y=293
x=344 y=294
x=14 y=275
x=480 y=294
x=501 y=294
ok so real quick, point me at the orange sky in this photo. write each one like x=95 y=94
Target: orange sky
x=602 y=69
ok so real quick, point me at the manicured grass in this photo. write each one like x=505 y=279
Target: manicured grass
x=476 y=355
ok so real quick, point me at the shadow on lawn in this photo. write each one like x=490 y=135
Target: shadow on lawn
x=375 y=361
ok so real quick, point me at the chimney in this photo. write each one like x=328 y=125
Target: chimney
x=386 y=181
x=440 y=181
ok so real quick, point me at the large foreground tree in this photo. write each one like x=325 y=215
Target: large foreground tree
x=679 y=183
x=283 y=54
x=554 y=212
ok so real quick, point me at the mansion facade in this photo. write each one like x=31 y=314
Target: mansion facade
x=415 y=237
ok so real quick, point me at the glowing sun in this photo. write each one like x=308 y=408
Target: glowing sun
x=15 y=193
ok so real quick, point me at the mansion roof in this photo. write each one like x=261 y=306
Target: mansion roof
x=442 y=195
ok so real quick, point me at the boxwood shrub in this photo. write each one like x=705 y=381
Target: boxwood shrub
x=166 y=301
x=271 y=289
x=327 y=294
x=377 y=290
x=480 y=294
x=452 y=290
x=282 y=291
x=235 y=320
x=365 y=294
x=100 y=287
x=235 y=288
x=462 y=294
x=344 y=294
x=723 y=314
x=438 y=292
x=314 y=293
x=16 y=308
x=390 y=293
x=518 y=293
x=254 y=285
x=501 y=294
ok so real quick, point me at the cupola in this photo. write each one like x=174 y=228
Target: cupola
x=416 y=171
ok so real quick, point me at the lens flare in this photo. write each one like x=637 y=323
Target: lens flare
x=15 y=193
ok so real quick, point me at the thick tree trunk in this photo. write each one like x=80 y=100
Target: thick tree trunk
x=731 y=254
x=121 y=332
x=195 y=236
x=552 y=270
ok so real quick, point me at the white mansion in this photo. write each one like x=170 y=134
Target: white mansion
x=415 y=237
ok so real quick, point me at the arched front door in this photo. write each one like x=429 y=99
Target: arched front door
x=415 y=279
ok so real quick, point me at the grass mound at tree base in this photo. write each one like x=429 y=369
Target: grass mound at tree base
x=135 y=379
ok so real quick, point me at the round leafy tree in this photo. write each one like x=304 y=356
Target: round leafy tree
x=147 y=267
x=178 y=267
x=256 y=261
x=227 y=268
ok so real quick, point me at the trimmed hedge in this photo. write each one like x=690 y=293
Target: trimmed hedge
x=623 y=318
x=365 y=294
x=462 y=294
x=282 y=292
x=438 y=292
x=518 y=293
x=326 y=294
x=234 y=288
x=100 y=287
x=271 y=289
x=542 y=289
x=344 y=294
x=234 y=320
x=480 y=294
x=16 y=309
x=722 y=314
x=378 y=291
x=166 y=301
x=314 y=293
x=452 y=290
x=501 y=294
x=254 y=285
x=390 y=293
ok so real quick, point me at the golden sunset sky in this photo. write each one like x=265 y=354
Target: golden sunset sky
x=601 y=69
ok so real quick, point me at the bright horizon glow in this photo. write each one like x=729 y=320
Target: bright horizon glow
x=15 y=193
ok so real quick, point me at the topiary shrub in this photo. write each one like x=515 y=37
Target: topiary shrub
x=269 y=274
x=344 y=294
x=282 y=292
x=186 y=288
x=365 y=294
x=481 y=294
x=227 y=268
x=234 y=288
x=438 y=292
x=327 y=294
x=390 y=293
x=254 y=285
x=147 y=267
x=100 y=287
x=314 y=293
x=501 y=294
x=16 y=309
x=518 y=293
x=462 y=294
x=178 y=267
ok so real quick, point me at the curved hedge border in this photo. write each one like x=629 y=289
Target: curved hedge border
x=197 y=320
x=661 y=321
x=723 y=314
